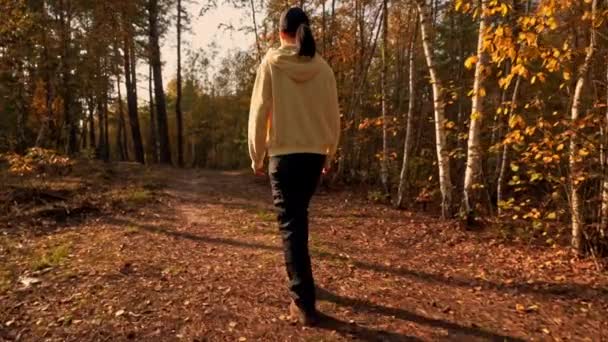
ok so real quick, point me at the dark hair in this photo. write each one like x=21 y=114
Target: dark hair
x=295 y=23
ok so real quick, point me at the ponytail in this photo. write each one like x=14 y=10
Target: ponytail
x=295 y=23
x=305 y=41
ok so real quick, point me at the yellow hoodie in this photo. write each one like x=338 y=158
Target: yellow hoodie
x=294 y=107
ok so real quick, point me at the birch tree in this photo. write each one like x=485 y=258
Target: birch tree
x=575 y=159
x=407 y=145
x=473 y=171
x=443 y=158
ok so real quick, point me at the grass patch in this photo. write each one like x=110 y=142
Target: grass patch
x=6 y=278
x=138 y=196
x=266 y=216
x=52 y=258
x=132 y=229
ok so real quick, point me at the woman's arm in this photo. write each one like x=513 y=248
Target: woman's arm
x=261 y=105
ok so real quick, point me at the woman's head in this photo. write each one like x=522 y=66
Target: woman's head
x=295 y=25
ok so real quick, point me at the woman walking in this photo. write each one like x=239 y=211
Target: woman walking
x=294 y=119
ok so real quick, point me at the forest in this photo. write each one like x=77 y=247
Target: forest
x=490 y=116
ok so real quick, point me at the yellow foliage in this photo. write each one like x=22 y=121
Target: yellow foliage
x=470 y=62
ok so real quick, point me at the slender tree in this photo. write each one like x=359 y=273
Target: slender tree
x=131 y=86
x=407 y=145
x=473 y=171
x=574 y=157
x=443 y=158
x=153 y=131
x=178 y=102
x=384 y=175
x=161 y=105
x=604 y=207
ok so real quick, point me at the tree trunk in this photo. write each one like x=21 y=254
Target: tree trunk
x=443 y=158
x=472 y=176
x=121 y=142
x=131 y=86
x=92 y=142
x=21 y=109
x=332 y=28
x=403 y=183
x=41 y=138
x=574 y=159
x=604 y=208
x=65 y=16
x=161 y=105
x=500 y=183
x=323 y=27
x=384 y=176
x=255 y=31
x=106 y=131
x=153 y=131
x=178 y=102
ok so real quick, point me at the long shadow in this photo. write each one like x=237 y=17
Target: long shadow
x=548 y=289
x=362 y=333
x=367 y=306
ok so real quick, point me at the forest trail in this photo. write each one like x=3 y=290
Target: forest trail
x=202 y=261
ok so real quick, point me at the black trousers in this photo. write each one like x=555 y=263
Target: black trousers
x=294 y=179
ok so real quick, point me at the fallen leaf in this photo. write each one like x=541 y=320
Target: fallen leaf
x=532 y=308
x=29 y=281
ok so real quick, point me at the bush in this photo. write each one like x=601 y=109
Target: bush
x=38 y=161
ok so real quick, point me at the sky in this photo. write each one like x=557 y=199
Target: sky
x=206 y=30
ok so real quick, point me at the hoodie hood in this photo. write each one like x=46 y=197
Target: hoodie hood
x=300 y=69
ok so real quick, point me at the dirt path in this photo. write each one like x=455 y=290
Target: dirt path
x=202 y=262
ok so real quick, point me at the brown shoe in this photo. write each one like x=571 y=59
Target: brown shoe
x=306 y=318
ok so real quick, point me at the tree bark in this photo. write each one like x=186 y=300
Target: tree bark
x=131 y=86
x=161 y=105
x=91 y=104
x=21 y=109
x=575 y=161
x=255 y=31
x=106 y=131
x=384 y=176
x=604 y=208
x=403 y=183
x=154 y=149
x=443 y=158
x=473 y=171
x=65 y=16
x=178 y=102
x=500 y=183
x=121 y=142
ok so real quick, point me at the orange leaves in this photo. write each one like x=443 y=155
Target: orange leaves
x=470 y=62
x=37 y=160
x=529 y=38
x=516 y=121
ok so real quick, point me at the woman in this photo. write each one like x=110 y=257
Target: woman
x=294 y=118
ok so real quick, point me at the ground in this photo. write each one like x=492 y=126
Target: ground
x=169 y=255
